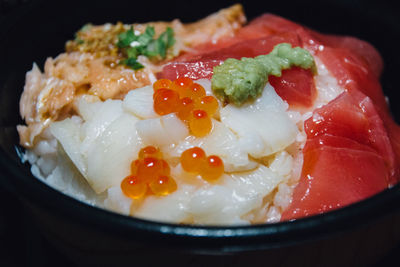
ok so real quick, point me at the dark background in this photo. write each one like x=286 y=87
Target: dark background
x=21 y=243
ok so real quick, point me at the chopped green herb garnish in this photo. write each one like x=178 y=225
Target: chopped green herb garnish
x=132 y=63
x=150 y=31
x=133 y=45
x=168 y=37
x=126 y=38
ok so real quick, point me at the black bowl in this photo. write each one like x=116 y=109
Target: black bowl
x=358 y=234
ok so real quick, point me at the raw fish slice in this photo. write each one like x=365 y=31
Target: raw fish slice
x=117 y=201
x=222 y=142
x=88 y=106
x=336 y=177
x=353 y=115
x=356 y=65
x=363 y=50
x=67 y=133
x=191 y=69
x=139 y=102
x=264 y=126
x=296 y=86
x=235 y=196
x=327 y=140
x=110 y=155
x=104 y=114
x=162 y=131
x=353 y=73
x=172 y=208
x=351 y=61
x=200 y=65
x=248 y=48
x=347 y=157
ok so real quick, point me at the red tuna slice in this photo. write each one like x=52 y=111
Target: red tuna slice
x=278 y=25
x=394 y=134
x=194 y=70
x=347 y=157
x=353 y=73
x=334 y=177
x=244 y=48
x=261 y=27
x=327 y=140
x=254 y=30
x=393 y=130
x=353 y=115
x=296 y=86
x=251 y=48
x=200 y=66
x=363 y=51
x=357 y=66
x=270 y=23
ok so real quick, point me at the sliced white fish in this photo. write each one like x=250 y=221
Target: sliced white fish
x=67 y=134
x=117 y=201
x=104 y=114
x=139 y=102
x=208 y=206
x=263 y=126
x=162 y=131
x=171 y=208
x=220 y=141
x=66 y=178
x=234 y=197
x=88 y=106
x=110 y=155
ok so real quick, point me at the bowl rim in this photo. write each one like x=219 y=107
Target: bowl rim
x=200 y=237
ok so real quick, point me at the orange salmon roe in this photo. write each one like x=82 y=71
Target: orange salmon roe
x=159 y=91
x=162 y=186
x=165 y=169
x=165 y=101
x=192 y=159
x=200 y=123
x=149 y=169
x=188 y=100
x=212 y=169
x=149 y=174
x=181 y=84
x=194 y=91
x=132 y=187
x=134 y=166
x=162 y=84
x=207 y=103
x=150 y=151
x=185 y=108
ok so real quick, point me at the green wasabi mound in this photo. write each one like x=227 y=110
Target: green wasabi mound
x=237 y=81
